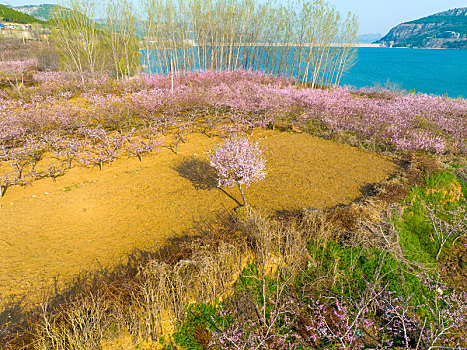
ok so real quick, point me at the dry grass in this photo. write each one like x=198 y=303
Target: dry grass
x=165 y=290
x=148 y=303
x=364 y=224
x=82 y=324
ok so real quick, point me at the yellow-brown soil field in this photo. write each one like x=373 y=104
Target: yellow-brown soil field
x=91 y=218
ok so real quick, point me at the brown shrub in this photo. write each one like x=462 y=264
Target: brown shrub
x=344 y=217
x=461 y=173
x=376 y=230
x=454 y=265
x=165 y=290
x=427 y=165
x=202 y=337
x=17 y=80
x=47 y=58
x=314 y=222
x=367 y=224
x=12 y=49
x=393 y=191
x=277 y=248
x=80 y=325
x=418 y=166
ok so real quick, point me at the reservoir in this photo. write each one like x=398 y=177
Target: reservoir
x=430 y=71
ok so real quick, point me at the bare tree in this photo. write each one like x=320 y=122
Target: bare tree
x=307 y=39
x=120 y=28
x=78 y=37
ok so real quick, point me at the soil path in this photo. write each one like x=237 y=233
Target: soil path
x=50 y=231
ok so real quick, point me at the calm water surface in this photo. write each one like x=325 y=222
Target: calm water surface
x=423 y=70
x=429 y=71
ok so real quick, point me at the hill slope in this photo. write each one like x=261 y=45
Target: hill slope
x=42 y=12
x=369 y=38
x=10 y=15
x=446 y=29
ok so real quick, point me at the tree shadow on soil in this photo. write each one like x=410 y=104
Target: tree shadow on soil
x=19 y=317
x=201 y=174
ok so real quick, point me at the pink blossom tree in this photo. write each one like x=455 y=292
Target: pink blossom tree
x=101 y=147
x=6 y=180
x=139 y=146
x=238 y=161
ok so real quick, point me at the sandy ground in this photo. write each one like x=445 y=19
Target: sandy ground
x=87 y=219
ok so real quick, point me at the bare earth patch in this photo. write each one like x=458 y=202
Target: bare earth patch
x=87 y=219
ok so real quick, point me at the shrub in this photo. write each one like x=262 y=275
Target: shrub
x=194 y=332
x=433 y=217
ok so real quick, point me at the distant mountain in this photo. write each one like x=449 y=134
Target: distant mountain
x=446 y=29
x=42 y=12
x=369 y=38
x=10 y=15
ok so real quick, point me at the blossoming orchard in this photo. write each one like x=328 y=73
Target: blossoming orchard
x=93 y=123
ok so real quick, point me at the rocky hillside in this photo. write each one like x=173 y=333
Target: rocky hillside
x=446 y=29
x=42 y=12
x=11 y=15
x=369 y=38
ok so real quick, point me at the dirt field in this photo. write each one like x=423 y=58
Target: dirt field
x=50 y=231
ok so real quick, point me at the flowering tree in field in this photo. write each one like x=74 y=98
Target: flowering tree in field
x=101 y=147
x=139 y=146
x=238 y=161
x=6 y=180
x=16 y=73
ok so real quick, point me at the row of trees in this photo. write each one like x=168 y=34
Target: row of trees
x=306 y=39
x=51 y=154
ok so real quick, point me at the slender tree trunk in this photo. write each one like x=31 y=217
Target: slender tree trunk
x=242 y=193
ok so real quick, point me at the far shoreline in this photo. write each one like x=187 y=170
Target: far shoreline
x=403 y=47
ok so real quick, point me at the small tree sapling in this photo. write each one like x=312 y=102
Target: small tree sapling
x=67 y=149
x=6 y=180
x=16 y=158
x=54 y=170
x=238 y=161
x=448 y=225
x=102 y=147
x=139 y=146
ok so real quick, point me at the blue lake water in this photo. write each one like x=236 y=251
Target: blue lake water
x=423 y=70
x=430 y=71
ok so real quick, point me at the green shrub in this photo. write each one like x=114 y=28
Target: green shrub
x=442 y=190
x=348 y=270
x=195 y=330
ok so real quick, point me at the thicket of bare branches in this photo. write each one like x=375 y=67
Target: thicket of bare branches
x=306 y=39
x=78 y=38
x=90 y=47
